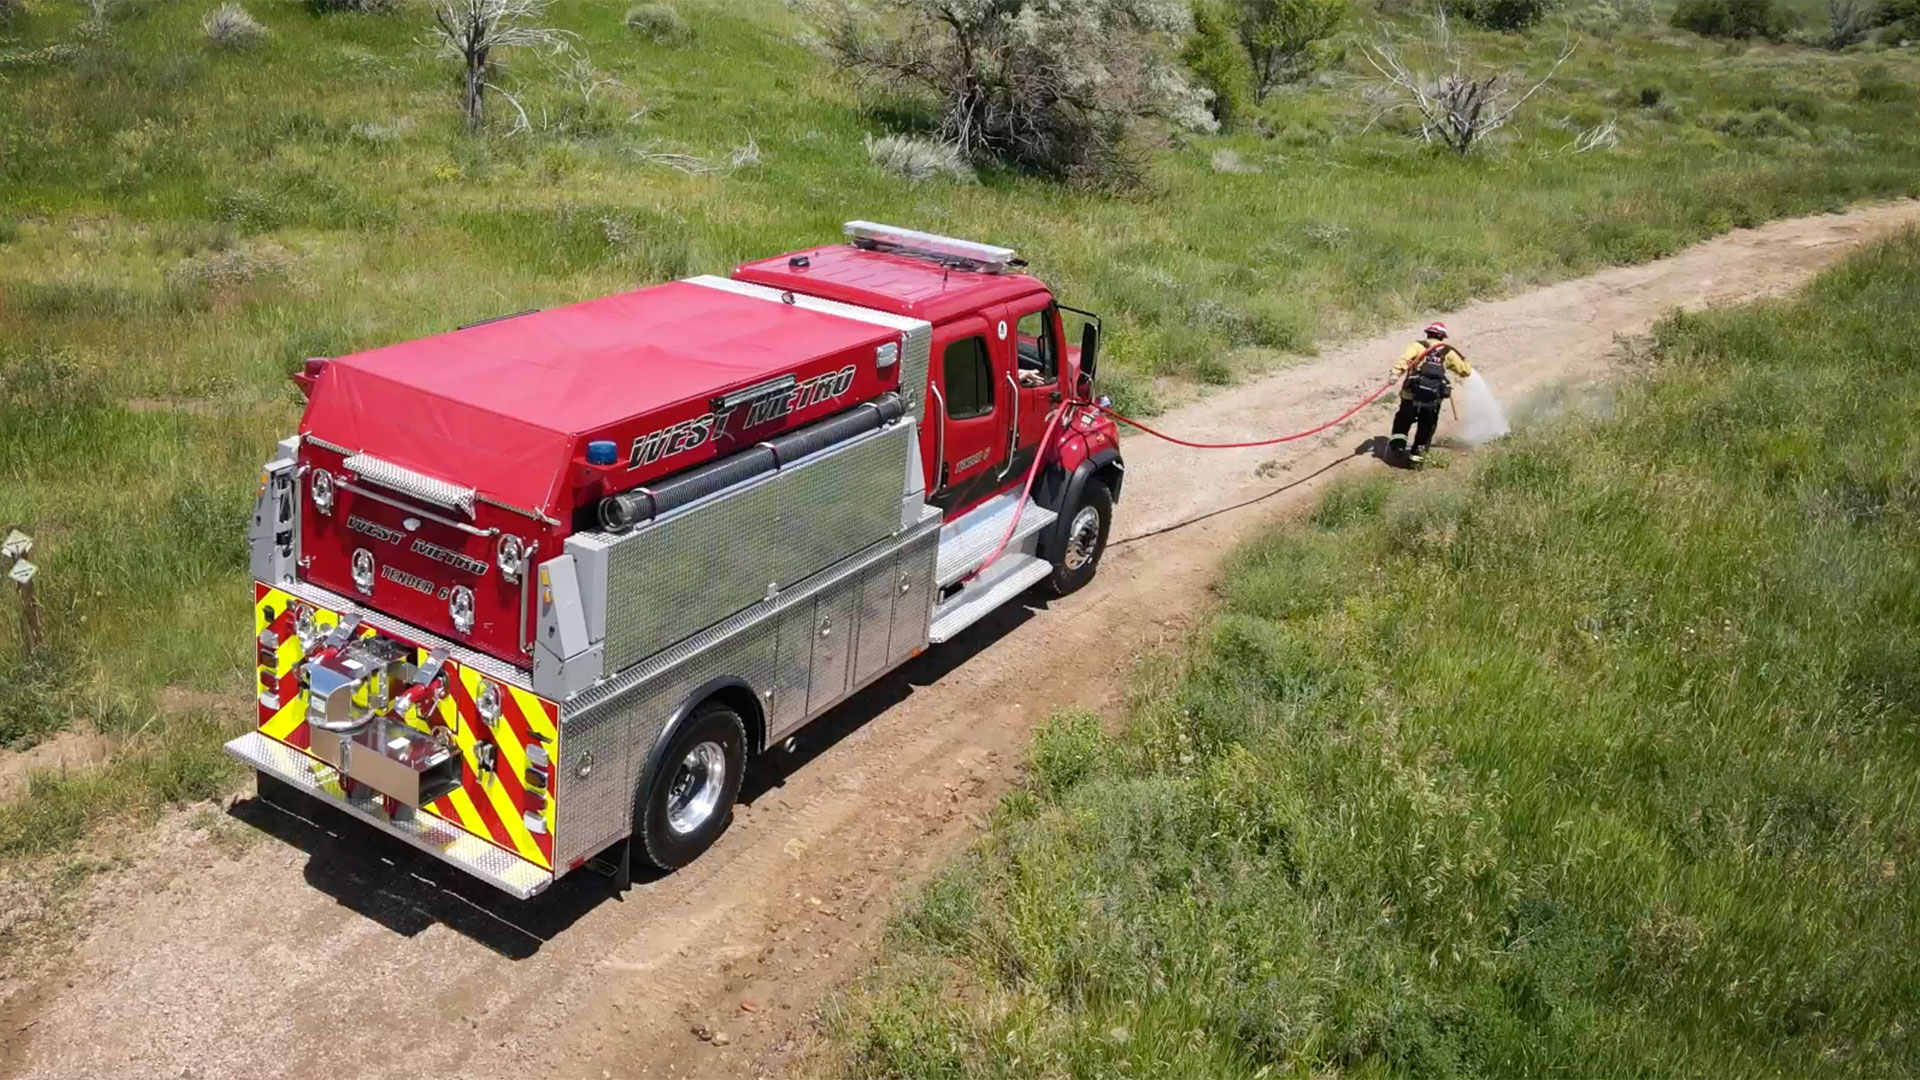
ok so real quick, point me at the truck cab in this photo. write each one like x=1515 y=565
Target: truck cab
x=1001 y=360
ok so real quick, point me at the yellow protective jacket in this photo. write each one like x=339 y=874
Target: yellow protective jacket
x=1456 y=361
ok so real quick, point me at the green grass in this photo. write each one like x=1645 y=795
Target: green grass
x=1594 y=758
x=181 y=225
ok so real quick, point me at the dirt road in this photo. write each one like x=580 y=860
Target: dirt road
x=326 y=951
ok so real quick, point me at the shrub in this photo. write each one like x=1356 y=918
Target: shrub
x=918 y=159
x=1902 y=17
x=10 y=10
x=1285 y=37
x=1507 y=16
x=659 y=23
x=365 y=7
x=1069 y=749
x=1734 y=19
x=230 y=27
x=1228 y=160
x=1218 y=62
x=1767 y=123
x=1611 y=13
x=1055 y=89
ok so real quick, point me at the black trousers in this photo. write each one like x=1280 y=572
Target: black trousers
x=1419 y=415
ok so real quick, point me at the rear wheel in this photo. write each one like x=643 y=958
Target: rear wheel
x=688 y=801
x=1084 y=542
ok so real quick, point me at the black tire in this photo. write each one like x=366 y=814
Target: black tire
x=682 y=808
x=1083 y=541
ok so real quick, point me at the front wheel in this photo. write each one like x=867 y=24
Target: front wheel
x=1084 y=542
x=688 y=801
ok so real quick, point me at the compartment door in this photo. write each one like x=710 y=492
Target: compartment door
x=833 y=637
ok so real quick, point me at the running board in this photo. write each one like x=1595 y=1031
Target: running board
x=966 y=542
x=1004 y=580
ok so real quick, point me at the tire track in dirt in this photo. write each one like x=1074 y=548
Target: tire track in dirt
x=328 y=950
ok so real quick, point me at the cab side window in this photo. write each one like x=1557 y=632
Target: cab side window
x=967 y=379
x=1037 y=352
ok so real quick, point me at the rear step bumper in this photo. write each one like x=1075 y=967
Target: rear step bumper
x=503 y=870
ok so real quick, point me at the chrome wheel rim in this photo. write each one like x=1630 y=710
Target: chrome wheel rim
x=1083 y=538
x=694 y=793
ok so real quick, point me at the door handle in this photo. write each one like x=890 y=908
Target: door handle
x=1013 y=434
x=939 y=440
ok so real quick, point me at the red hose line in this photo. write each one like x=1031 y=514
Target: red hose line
x=1342 y=418
x=1020 y=508
x=1046 y=439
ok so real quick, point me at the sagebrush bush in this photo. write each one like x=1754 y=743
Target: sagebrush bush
x=230 y=27
x=1055 y=89
x=660 y=23
x=224 y=271
x=1618 y=13
x=918 y=159
x=1734 y=19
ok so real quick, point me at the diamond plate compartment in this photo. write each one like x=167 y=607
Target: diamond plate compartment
x=695 y=567
x=504 y=871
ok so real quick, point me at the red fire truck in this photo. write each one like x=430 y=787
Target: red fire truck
x=534 y=592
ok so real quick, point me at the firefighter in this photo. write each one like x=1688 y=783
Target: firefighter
x=1424 y=369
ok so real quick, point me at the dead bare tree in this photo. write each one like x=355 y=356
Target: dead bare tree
x=1458 y=105
x=475 y=31
x=1056 y=88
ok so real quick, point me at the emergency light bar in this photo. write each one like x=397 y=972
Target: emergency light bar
x=866 y=234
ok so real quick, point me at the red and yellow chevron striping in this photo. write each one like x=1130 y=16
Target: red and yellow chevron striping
x=510 y=804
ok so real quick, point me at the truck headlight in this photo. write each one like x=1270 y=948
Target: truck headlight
x=363 y=570
x=512 y=557
x=460 y=608
x=321 y=486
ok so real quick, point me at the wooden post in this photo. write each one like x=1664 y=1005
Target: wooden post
x=30 y=612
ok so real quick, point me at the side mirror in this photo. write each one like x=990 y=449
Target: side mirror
x=1089 y=349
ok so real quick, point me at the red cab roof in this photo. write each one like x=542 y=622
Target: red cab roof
x=506 y=407
x=916 y=287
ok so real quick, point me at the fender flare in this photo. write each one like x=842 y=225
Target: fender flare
x=699 y=696
x=1055 y=538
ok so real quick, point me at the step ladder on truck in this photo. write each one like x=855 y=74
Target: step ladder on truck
x=533 y=592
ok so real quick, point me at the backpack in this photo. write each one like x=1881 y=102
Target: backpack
x=1427 y=378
